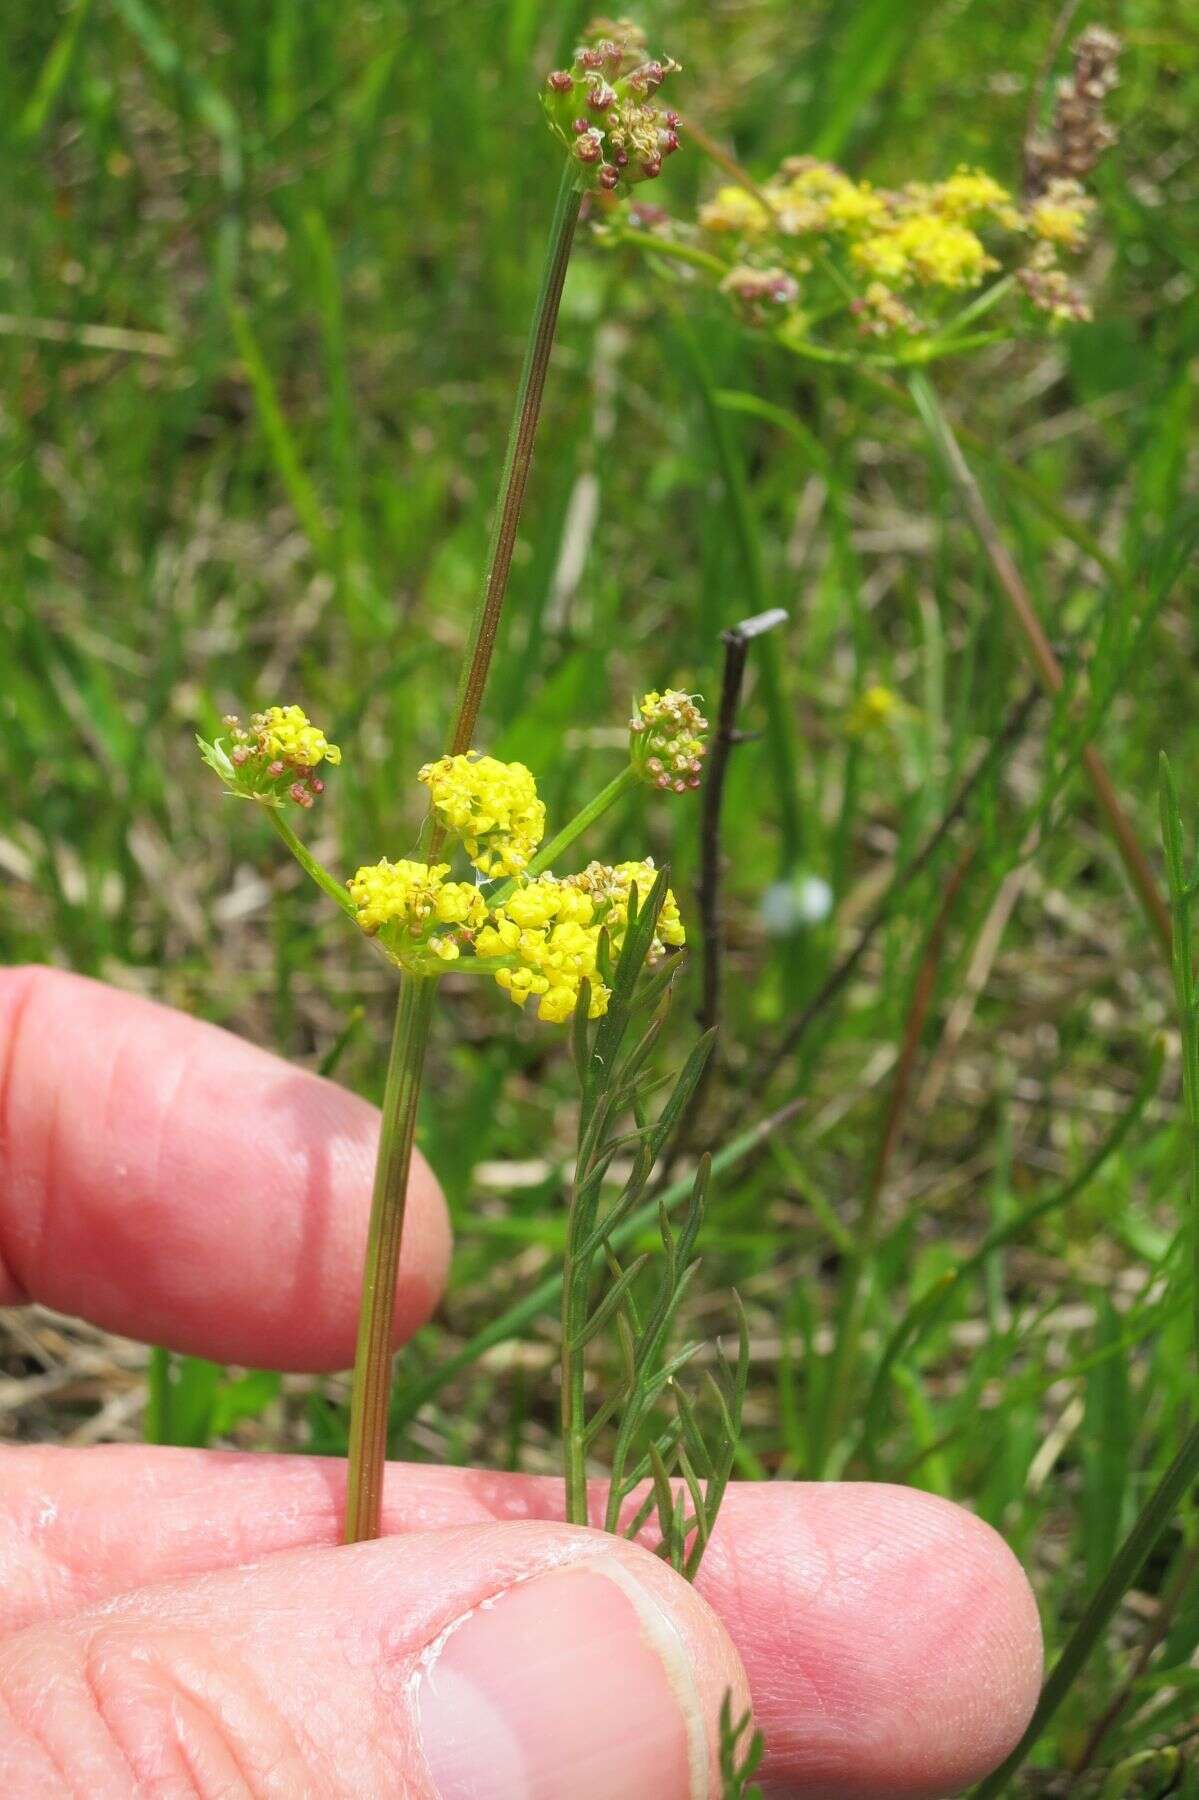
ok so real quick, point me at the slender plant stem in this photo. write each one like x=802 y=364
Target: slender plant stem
x=676 y=252
x=372 y=1360
x=1129 y=1560
x=517 y=461
x=574 y=1415
x=1040 y=654
x=327 y=883
x=1181 y=897
x=370 y=1400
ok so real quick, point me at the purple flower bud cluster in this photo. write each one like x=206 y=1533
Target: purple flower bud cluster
x=602 y=109
x=759 y=292
x=1080 y=132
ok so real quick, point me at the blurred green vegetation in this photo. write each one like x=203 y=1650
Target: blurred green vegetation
x=263 y=293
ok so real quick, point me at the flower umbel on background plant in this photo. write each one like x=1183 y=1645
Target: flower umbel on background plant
x=1079 y=134
x=817 y=246
x=843 y=271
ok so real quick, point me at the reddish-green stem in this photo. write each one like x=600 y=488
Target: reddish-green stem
x=517 y=462
x=369 y=1404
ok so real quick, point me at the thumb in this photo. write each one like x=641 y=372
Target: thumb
x=494 y=1662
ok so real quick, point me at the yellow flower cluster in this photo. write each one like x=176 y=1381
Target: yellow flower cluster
x=536 y=937
x=549 y=934
x=275 y=759
x=877 y=709
x=288 y=733
x=737 y=211
x=542 y=942
x=1060 y=214
x=810 y=196
x=933 y=237
x=925 y=248
x=403 y=898
x=491 y=805
x=609 y=888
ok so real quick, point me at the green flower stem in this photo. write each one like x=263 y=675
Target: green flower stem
x=582 y=821
x=574 y=1412
x=369 y=1404
x=678 y=252
x=517 y=462
x=1182 y=895
x=327 y=883
x=372 y=1361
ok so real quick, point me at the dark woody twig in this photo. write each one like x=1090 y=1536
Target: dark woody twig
x=726 y=737
x=736 y=652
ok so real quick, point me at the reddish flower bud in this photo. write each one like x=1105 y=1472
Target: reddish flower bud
x=672 y=119
x=652 y=166
x=589 y=148
x=590 y=57
x=561 y=80
x=274 y=770
x=669 y=141
x=601 y=97
x=609 y=177
x=579 y=126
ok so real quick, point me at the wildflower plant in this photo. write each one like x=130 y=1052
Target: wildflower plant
x=586 y=945
x=841 y=270
x=590 y=946
x=873 y=279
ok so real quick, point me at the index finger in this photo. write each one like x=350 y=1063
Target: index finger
x=165 y=1179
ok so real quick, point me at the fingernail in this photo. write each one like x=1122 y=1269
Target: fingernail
x=574 y=1682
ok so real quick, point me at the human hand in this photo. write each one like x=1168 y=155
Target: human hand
x=183 y=1623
